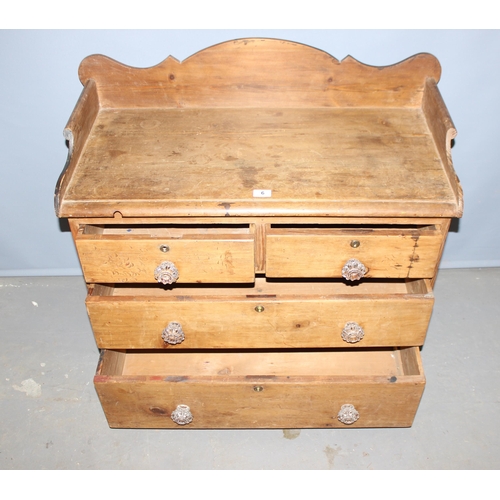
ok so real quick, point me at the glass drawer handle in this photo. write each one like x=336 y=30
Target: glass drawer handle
x=352 y=332
x=348 y=414
x=166 y=273
x=173 y=333
x=353 y=270
x=182 y=415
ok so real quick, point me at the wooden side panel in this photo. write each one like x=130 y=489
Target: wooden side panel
x=76 y=133
x=198 y=260
x=443 y=131
x=445 y=226
x=111 y=363
x=411 y=363
x=386 y=255
x=301 y=322
x=260 y=73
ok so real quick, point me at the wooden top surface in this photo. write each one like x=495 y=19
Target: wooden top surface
x=158 y=158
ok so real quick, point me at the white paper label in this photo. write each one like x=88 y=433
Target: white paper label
x=262 y=193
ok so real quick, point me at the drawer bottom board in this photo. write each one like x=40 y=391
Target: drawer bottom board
x=260 y=389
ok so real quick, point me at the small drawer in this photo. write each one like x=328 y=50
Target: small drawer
x=266 y=315
x=353 y=388
x=323 y=251
x=165 y=253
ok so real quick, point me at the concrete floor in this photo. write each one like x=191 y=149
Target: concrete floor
x=50 y=417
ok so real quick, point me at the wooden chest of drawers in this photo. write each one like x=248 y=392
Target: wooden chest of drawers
x=260 y=228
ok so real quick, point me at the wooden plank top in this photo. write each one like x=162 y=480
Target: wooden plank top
x=232 y=159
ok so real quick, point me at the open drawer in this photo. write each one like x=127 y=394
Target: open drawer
x=345 y=388
x=322 y=251
x=266 y=315
x=165 y=253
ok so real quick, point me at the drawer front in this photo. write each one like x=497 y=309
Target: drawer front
x=197 y=259
x=282 y=390
x=385 y=253
x=311 y=317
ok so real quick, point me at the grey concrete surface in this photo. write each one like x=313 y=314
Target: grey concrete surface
x=50 y=416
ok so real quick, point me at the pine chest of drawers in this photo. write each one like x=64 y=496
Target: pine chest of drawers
x=259 y=228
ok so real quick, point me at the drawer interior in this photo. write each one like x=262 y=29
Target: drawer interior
x=269 y=288
x=385 y=363
x=164 y=230
x=358 y=228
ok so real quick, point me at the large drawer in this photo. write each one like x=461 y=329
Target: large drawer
x=131 y=254
x=266 y=315
x=381 y=388
x=322 y=251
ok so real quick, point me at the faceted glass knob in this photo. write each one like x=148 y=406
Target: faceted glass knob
x=173 y=333
x=348 y=414
x=353 y=270
x=166 y=273
x=352 y=332
x=182 y=415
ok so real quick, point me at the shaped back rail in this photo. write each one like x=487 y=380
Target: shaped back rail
x=260 y=73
